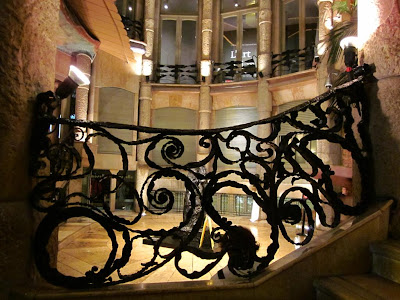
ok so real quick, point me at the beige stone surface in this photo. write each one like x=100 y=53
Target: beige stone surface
x=234 y=99
x=383 y=50
x=183 y=99
x=27 y=67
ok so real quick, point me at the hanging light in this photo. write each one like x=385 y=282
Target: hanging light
x=166 y=4
x=236 y=3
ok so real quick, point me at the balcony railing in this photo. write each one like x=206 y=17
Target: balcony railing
x=291 y=61
x=183 y=74
x=234 y=71
x=57 y=162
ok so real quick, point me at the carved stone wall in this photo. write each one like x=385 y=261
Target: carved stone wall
x=383 y=50
x=27 y=67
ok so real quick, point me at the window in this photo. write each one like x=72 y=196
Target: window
x=239 y=44
x=232 y=5
x=299 y=29
x=178 y=42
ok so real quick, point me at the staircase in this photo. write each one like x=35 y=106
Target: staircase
x=382 y=283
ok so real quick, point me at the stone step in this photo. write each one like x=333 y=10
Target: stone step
x=386 y=259
x=352 y=287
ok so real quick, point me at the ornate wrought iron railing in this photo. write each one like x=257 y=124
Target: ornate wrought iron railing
x=57 y=162
x=185 y=74
x=234 y=71
x=291 y=61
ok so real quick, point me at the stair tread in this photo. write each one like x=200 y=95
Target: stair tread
x=389 y=248
x=363 y=286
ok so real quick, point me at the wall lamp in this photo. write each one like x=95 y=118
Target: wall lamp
x=138 y=46
x=205 y=68
x=75 y=78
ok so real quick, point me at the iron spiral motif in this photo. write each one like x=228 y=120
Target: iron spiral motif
x=56 y=163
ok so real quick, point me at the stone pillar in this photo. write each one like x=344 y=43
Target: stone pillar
x=144 y=120
x=147 y=61
x=264 y=101
x=328 y=152
x=84 y=63
x=205 y=99
x=325 y=16
x=264 y=37
x=113 y=185
x=205 y=108
x=206 y=40
x=264 y=109
x=28 y=32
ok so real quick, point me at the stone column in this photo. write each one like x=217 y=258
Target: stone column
x=325 y=16
x=206 y=40
x=147 y=61
x=205 y=108
x=113 y=185
x=264 y=101
x=84 y=63
x=28 y=32
x=328 y=152
x=205 y=104
x=264 y=37
x=144 y=120
x=264 y=109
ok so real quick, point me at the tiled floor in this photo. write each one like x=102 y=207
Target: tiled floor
x=83 y=244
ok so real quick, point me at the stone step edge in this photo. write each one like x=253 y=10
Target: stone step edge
x=386 y=248
x=338 y=288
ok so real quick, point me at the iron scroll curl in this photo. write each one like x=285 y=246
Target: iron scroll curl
x=56 y=163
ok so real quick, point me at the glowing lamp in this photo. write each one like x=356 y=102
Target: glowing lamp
x=75 y=78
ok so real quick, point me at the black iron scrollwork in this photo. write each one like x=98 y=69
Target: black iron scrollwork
x=56 y=162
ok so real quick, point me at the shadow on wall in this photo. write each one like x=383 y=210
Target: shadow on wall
x=384 y=125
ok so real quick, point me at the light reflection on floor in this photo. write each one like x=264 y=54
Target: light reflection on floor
x=83 y=244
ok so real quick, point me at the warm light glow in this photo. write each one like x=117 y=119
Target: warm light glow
x=205 y=68
x=77 y=75
x=137 y=65
x=368 y=20
x=321 y=49
x=328 y=24
x=130 y=8
x=349 y=41
x=138 y=47
x=147 y=67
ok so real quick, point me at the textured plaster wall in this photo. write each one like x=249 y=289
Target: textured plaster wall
x=27 y=67
x=383 y=50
